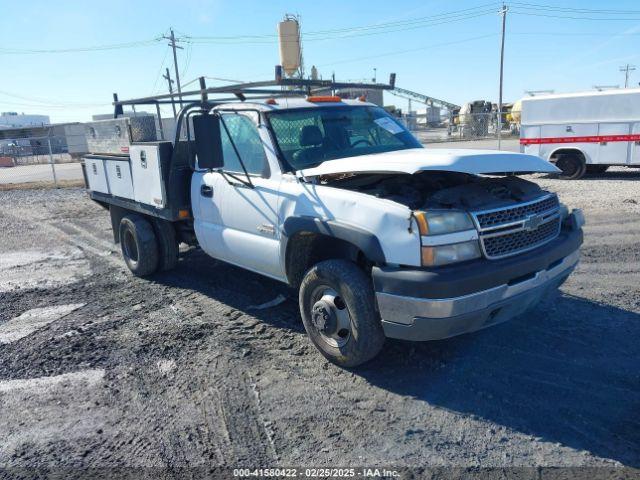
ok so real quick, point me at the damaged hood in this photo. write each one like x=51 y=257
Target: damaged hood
x=450 y=160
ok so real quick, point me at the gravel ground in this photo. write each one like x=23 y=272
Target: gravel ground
x=100 y=369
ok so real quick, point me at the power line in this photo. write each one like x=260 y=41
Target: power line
x=46 y=102
x=556 y=8
x=378 y=29
x=159 y=71
x=114 y=46
x=578 y=34
x=400 y=52
x=518 y=8
x=319 y=35
x=440 y=16
x=340 y=37
x=187 y=62
x=274 y=37
x=51 y=106
x=525 y=12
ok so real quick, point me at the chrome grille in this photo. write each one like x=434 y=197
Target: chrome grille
x=495 y=218
x=511 y=230
x=503 y=245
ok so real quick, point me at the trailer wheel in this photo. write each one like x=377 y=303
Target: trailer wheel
x=167 y=244
x=337 y=305
x=597 y=169
x=139 y=245
x=573 y=167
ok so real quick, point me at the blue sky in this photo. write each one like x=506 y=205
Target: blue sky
x=453 y=56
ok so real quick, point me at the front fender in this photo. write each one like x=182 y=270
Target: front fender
x=361 y=238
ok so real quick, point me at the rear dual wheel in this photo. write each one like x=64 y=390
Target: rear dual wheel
x=148 y=245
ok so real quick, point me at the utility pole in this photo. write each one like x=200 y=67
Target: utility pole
x=503 y=12
x=174 y=46
x=627 y=69
x=167 y=77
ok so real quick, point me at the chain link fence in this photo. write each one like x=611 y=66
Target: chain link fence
x=464 y=130
x=48 y=155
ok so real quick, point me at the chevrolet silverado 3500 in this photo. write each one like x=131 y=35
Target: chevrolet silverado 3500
x=380 y=236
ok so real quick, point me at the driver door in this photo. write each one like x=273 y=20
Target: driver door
x=243 y=208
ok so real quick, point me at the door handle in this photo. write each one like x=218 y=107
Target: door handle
x=206 y=191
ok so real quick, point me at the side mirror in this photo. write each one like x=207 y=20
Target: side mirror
x=206 y=130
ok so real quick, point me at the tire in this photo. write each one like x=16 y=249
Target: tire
x=353 y=307
x=572 y=166
x=139 y=245
x=597 y=169
x=168 y=248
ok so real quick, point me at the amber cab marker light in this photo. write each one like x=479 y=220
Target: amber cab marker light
x=271 y=101
x=183 y=213
x=324 y=99
x=362 y=98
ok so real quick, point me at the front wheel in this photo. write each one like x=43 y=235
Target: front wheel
x=337 y=305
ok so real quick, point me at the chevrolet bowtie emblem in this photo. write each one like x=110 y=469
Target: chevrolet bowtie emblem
x=532 y=222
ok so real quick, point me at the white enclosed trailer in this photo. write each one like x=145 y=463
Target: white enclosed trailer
x=583 y=132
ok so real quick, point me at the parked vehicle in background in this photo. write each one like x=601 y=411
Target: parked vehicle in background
x=379 y=236
x=583 y=132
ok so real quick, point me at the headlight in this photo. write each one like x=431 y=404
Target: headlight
x=446 y=244
x=444 y=254
x=440 y=222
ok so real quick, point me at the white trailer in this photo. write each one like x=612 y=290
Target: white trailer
x=583 y=132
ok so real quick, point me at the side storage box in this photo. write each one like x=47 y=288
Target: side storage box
x=115 y=136
x=149 y=166
x=96 y=175
x=119 y=177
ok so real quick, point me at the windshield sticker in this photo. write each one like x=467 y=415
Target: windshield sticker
x=389 y=125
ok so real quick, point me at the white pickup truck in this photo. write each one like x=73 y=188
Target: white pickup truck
x=380 y=236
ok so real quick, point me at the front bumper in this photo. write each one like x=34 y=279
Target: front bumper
x=416 y=304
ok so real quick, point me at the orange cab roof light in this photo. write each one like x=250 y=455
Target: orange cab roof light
x=324 y=99
x=271 y=101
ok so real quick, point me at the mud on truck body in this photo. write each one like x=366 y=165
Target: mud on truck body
x=379 y=236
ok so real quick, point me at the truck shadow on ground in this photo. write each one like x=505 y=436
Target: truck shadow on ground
x=239 y=289
x=567 y=372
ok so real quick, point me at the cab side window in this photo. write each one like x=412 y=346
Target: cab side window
x=244 y=133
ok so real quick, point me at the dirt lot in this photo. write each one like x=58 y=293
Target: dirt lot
x=101 y=369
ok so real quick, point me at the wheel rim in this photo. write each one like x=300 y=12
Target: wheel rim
x=130 y=246
x=569 y=167
x=330 y=316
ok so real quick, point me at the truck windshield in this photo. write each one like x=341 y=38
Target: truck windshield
x=309 y=136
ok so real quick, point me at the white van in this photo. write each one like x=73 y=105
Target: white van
x=583 y=132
